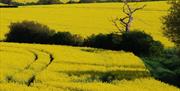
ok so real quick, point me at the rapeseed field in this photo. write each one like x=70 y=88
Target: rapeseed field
x=35 y=67
x=40 y=67
x=87 y=19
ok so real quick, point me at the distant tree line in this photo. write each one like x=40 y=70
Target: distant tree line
x=11 y=2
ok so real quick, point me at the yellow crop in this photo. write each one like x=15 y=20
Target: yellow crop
x=87 y=19
x=33 y=67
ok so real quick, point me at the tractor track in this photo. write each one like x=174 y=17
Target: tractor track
x=33 y=78
x=30 y=51
x=36 y=58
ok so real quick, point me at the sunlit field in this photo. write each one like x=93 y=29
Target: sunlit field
x=41 y=67
x=33 y=67
x=87 y=19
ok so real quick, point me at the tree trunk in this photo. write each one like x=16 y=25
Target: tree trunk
x=127 y=27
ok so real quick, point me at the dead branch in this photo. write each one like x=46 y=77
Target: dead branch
x=127 y=20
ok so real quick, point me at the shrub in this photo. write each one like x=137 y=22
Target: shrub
x=29 y=32
x=140 y=43
x=178 y=51
x=137 y=42
x=156 y=48
x=66 y=38
x=170 y=59
x=166 y=75
x=106 y=41
x=49 y=1
x=77 y=40
x=164 y=68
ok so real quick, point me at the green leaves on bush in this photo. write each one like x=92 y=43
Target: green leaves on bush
x=66 y=38
x=29 y=32
x=33 y=32
x=137 y=42
x=106 y=41
x=49 y=1
x=140 y=43
x=165 y=67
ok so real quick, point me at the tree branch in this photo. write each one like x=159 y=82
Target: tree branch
x=116 y=25
x=138 y=8
x=122 y=19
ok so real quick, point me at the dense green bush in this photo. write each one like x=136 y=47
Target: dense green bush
x=137 y=42
x=140 y=43
x=170 y=59
x=165 y=67
x=178 y=49
x=49 y=1
x=29 y=32
x=66 y=38
x=106 y=41
x=33 y=32
x=156 y=48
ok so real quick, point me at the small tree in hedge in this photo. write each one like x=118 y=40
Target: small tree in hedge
x=172 y=22
x=29 y=32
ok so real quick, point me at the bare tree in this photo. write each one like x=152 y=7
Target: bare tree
x=127 y=20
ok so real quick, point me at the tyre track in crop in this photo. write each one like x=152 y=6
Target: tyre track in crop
x=35 y=52
x=35 y=59
x=50 y=61
x=30 y=51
